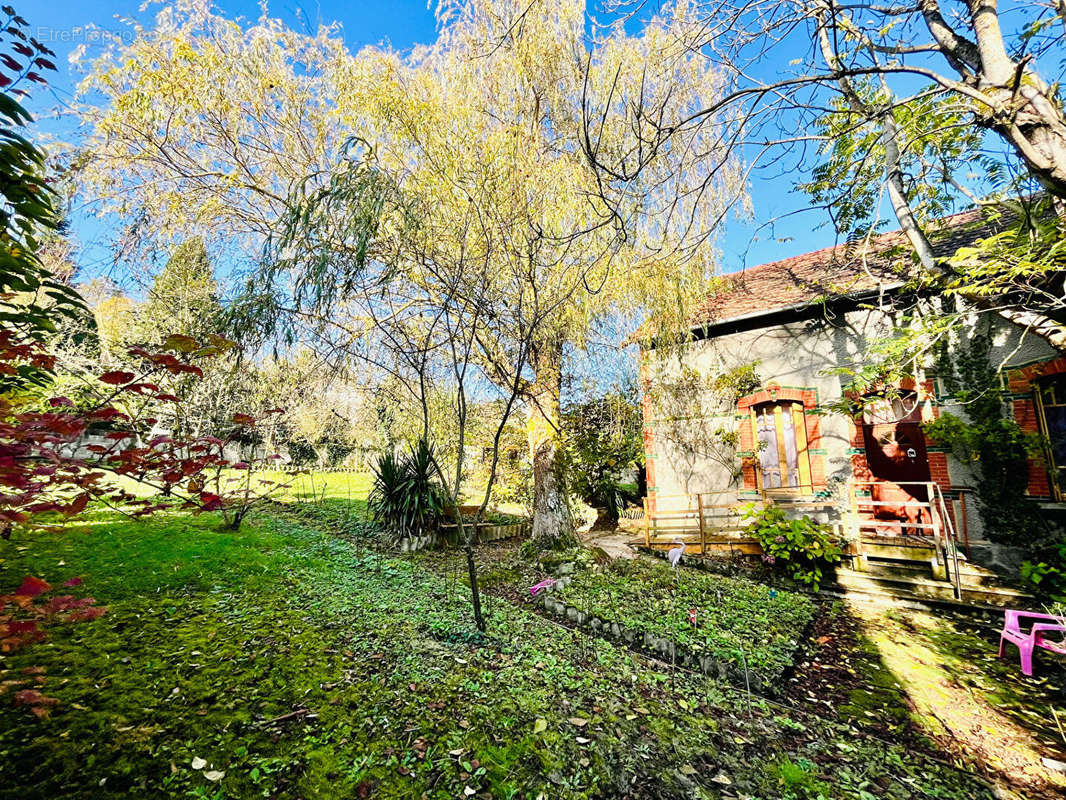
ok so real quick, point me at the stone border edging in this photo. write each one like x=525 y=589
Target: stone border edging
x=662 y=647
x=487 y=532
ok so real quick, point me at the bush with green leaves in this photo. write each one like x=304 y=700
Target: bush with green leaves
x=604 y=448
x=1045 y=572
x=801 y=546
x=407 y=497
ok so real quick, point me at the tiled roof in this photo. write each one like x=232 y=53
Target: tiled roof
x=845 y=269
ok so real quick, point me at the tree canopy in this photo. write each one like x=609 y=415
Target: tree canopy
x=385 y=188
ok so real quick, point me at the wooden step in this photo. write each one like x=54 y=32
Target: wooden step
x=898 y=551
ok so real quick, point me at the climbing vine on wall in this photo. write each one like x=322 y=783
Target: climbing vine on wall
x=989 y=439
x=696 y=411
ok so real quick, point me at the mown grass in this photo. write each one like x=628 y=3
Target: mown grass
x=301 y=665
x=737 y=621
x=350 y=487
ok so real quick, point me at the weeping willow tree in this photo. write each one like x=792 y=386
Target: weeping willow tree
x=383 y=187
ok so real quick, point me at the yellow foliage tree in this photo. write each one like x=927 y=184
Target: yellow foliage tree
x=483 y=198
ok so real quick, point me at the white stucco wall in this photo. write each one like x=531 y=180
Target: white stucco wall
x=799 y=354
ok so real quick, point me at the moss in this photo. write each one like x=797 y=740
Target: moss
x=301 y=665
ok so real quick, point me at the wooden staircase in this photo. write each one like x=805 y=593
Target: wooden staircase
x=912 y=573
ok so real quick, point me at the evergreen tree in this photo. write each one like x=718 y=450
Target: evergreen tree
x=184 y=297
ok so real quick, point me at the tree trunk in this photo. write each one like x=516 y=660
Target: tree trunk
x=475 y=595
x=553 y=526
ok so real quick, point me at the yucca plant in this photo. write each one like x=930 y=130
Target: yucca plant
x=407 y=497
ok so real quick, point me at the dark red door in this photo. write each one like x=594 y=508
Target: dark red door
x=897 y=458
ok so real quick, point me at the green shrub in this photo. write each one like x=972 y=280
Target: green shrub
x=802 y=547
x=604 y=447
x=1046 y=572
x=407 y=497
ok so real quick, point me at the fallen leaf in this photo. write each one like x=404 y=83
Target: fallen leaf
x=199 y=763
x=540 y=726
x=578 y=722
x=214 y=775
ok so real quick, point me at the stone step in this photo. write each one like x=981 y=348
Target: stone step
x=973 y=577
x=918 y=587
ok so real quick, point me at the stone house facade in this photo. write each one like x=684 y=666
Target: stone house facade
x=786 y=327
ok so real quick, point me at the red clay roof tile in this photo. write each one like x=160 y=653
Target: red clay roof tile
x=841 y=270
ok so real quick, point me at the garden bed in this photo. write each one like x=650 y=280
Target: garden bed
x=284 y=661
x=738 y=629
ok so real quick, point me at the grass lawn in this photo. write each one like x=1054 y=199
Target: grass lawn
x=348 y=486
x=736 y=619
x=281 y=661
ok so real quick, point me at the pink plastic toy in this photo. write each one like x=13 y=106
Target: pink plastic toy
x=1027 y=641
x=540 y=587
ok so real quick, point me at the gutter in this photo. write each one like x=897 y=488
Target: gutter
x=796 y=311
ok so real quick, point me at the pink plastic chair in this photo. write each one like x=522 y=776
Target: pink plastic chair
x=1027 y=641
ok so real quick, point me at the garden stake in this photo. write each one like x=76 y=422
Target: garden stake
x=673 y=666
x=747 y=680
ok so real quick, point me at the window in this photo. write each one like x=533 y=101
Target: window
x=780 y=435
x=1051 y=404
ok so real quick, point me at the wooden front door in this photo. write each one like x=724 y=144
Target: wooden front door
x=897 y=458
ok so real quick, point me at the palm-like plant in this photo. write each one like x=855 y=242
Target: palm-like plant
x=407 y=497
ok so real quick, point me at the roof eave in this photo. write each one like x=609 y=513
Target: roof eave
x=703 y=329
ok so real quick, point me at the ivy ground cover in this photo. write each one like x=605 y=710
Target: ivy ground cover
x=734 y=620
x=284 y=662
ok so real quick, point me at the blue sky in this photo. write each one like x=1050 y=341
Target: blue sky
x=65 y=24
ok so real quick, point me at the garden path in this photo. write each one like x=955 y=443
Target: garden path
x=613 y=541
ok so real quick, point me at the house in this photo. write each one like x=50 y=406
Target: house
x=740 y=410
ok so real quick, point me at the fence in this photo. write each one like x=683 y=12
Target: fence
x=874 y=511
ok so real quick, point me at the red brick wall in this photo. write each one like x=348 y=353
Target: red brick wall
x=860 y=470
x=1020 y=381
x=747 y=445
x=649 y=431
x=814 y=441
x=1025 y=415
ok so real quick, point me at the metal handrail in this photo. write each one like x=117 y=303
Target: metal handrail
x=952 y=544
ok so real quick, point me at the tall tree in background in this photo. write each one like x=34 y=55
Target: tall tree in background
x=184 y=297
x=918 y=107
x=377 y=179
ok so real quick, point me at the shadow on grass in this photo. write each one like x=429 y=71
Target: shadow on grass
x=934 y=680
